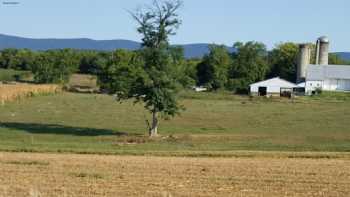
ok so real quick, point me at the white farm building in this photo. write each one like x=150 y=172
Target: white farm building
x=327 y=78
x=275 y=86
x=310 y=77
x=321 y=76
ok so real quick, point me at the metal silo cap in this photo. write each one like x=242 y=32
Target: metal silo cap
x=323 y=39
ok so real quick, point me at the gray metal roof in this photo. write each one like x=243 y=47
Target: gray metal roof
x=322 y=72
x=324 y=39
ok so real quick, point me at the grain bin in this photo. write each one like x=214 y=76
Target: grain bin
x=303 y=62
x=322 y=50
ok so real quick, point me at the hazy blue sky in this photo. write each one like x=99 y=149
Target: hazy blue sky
x=209 y=21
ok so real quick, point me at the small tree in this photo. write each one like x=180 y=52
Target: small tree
x=154 y=79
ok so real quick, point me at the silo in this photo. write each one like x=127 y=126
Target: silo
x=322 y=50
x=303 y=62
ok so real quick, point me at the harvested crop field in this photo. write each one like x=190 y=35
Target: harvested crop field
x=28 y=174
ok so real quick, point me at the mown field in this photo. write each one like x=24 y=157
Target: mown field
x=212 y=124
x=31 y=174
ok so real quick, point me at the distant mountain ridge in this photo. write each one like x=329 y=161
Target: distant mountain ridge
x=190 y=50
x=344 y=55
x=7 y=41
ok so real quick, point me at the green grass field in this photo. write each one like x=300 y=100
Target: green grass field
x=211 y=123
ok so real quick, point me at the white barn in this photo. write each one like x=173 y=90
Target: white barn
x=327 y=78
x=274 y=86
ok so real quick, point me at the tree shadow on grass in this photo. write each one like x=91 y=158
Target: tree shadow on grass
x=36 y=128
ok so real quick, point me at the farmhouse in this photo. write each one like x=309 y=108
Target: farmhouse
x=273 y=87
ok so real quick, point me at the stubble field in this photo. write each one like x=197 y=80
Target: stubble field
x=33 y=174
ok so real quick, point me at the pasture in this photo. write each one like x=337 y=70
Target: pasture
x=213 y=124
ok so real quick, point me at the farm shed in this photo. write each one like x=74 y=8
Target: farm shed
x=272 y=87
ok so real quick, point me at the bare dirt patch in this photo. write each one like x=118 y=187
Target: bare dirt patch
x=94 y=175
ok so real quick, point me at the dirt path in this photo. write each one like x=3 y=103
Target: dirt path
x=26 y=174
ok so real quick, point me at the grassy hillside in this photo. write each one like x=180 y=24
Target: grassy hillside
x=88 y=123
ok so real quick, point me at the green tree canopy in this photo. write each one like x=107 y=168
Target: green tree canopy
x=184 y=70
x=283 y=60
x=20 y=59
x=120 y=72
x=213 y=70
x=249 y=65
x=55 y=66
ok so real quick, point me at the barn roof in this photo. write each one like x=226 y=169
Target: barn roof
x=275 y=82
x=322 y=72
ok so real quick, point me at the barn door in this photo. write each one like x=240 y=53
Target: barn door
x=262 y=91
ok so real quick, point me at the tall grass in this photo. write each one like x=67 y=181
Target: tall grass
x=10 y=93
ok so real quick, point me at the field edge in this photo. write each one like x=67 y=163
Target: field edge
x=203 y=154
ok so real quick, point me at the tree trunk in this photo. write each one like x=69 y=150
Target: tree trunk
x=153 y=132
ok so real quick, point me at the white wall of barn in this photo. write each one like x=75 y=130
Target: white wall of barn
x=328 y=85
x=345 y=84
x=336 y=84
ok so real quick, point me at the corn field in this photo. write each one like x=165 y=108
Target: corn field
x=14 y=92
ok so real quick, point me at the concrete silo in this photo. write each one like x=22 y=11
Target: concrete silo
x=303 y=61
x=322 y=50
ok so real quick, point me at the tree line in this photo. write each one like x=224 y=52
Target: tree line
x=53 y=66
x=219 y=69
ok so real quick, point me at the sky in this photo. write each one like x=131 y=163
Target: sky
x=203 y=21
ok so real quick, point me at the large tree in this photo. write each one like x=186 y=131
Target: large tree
x=213 y=70
x=283 y=60
x=249 y=65
x=153 y=80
